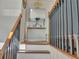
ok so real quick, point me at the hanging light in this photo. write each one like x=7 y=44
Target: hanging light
x=24 y=3
x=38 y=4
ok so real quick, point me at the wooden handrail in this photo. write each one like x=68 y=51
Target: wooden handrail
x=53 y=7
x=11 y=33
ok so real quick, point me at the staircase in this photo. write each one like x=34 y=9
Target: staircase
x=41 y=52
x=33 y=52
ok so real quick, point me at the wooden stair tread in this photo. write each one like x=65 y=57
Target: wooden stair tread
x=34 y=51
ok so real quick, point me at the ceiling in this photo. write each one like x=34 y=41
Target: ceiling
x=47 y=4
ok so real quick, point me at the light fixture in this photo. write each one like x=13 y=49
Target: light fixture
x=24 y=3
x=38 y=4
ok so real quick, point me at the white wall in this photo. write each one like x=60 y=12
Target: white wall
x=47 y=4
x=10 y=7
x=9 y=10
x=38 y=34
x=42 y=13
x=37 y=13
